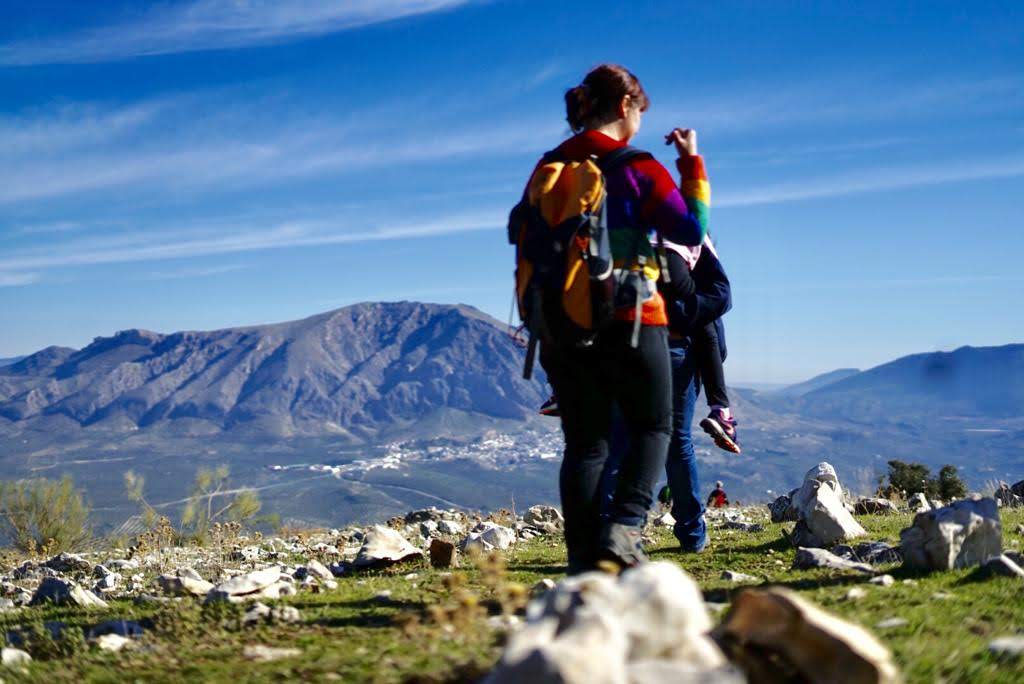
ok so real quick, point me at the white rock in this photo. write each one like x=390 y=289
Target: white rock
x=266 y=654
x=14 y=658
x=65 y=592
x=184 y=584
x=547 y=518
x=664 y=520
x=856 y=593
x=960 y=535
x=111 y=642
x=822 y=519
x=265 y=583
x=1007 y=647
x=488 y=536
x=732 y=576
x=449 y=527
x=383 y=546
x=919 y=503
x=883 y=580
x=891 y=623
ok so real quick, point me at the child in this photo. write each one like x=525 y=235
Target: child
x=707 y=332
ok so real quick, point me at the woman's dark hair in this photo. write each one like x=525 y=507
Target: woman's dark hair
x=595 y=102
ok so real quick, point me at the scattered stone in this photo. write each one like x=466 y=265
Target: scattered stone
x=819 y=646
x=822 y=519
x=443 y=554
x=942 y=596
x=664 y=520
x=806 y=559
x=856 y=593
x=742 y=526
x=1009 y=647
x=185 y=582
x=919 y=503
x=68 y=562
x=123 y=628
x=383 y=547
x=546 y=518
x=960 y=535
x=883 y=580
x=892 y=623
x=874 y=553
x=264 y=583
x=14 y=658
x=65 y=592
x=266 y=654
x=449 y=527
x=590 y=627
x=1000 y=566
x=876 y=506
x=738 y=577
x=314 y=568
x=782 y=509
x=111 y=642
x=488 y=536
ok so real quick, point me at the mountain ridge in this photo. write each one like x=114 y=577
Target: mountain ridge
x=353 y=371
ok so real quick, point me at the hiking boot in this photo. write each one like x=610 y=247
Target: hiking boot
x=722 y=430
x=620 y=544
x=550 y=407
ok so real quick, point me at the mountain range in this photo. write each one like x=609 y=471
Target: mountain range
x=358 y=373
x=370 y=410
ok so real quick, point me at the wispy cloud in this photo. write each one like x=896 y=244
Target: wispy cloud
x=213 y=25
x=877 y=179
x=196 y=242
x=215 y=144
x=16 y=279
x=195 y=272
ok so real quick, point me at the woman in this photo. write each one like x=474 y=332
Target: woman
x=605 y=112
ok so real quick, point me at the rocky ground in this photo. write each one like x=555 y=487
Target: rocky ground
x=876 y=593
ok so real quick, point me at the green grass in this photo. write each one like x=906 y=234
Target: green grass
x=351 y=634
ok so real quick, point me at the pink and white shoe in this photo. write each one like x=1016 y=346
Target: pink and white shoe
x=722 y=429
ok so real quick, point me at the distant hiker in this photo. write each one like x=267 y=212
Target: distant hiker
x=586 y=278
x=717 y=497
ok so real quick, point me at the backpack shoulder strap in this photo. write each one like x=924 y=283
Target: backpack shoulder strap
x=620 y=156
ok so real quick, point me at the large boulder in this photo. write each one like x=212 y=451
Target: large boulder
x=598 y=628
x=382 y=547
x=822 y=518
x=963 y=534
x=771 y=632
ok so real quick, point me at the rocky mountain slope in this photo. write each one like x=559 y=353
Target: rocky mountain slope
x=356 y=372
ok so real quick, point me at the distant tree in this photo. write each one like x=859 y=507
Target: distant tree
x=44 y=514
x=912 y=478
x=951 y=487
x=210 y=502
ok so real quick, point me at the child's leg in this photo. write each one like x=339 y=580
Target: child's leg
x=709 y=363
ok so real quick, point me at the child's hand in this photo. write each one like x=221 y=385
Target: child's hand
x=685 y=140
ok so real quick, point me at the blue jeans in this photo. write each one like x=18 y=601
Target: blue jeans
x=681 y=466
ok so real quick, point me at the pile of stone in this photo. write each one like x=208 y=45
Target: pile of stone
x=651 y=625
x=822 y=518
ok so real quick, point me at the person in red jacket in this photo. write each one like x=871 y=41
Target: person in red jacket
x=717 y=498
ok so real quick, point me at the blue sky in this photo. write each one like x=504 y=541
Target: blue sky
x=207 y=163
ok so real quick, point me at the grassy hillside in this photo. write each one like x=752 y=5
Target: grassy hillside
x=414 y=623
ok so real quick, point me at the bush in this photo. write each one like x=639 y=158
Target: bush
x=38 y=514
x=951 y=487
x=210 y=503
x=913 y=478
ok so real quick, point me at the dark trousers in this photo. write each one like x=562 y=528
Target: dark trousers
x=708 y=356
x=589 y=383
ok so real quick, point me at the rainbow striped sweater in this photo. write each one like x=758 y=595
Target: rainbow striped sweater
x=643 y=200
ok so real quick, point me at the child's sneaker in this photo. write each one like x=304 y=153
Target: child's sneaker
x=550 y=407
x=722 y=429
